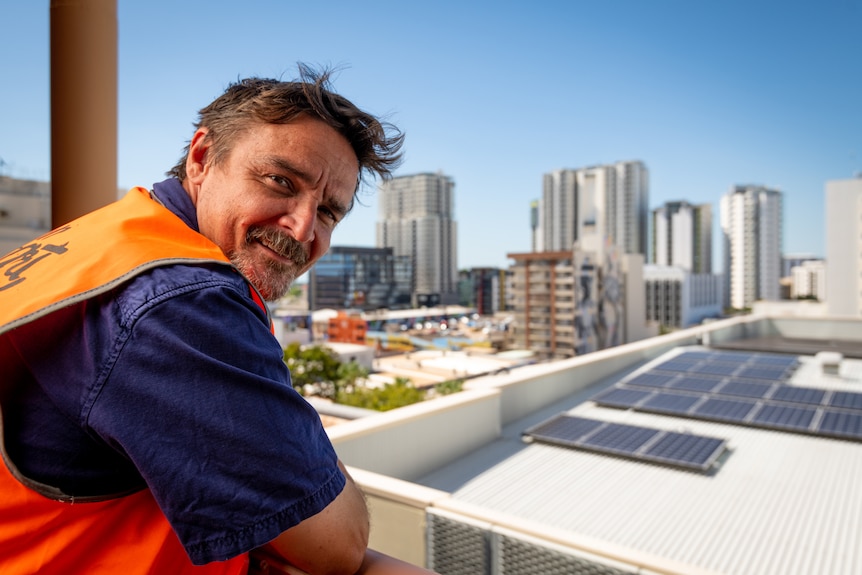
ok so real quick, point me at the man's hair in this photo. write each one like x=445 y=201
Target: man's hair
x=252 y=101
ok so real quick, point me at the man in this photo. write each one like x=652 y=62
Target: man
x=149 y=424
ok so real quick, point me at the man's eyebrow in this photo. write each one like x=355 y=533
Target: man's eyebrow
x=285 y=165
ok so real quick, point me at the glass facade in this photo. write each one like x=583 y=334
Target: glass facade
x=360 y=278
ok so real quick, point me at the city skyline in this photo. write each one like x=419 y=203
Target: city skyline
x=708 y=97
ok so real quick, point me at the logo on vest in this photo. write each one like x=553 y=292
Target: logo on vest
x=15 y=264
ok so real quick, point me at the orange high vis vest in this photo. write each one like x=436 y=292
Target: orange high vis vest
x=41 y=529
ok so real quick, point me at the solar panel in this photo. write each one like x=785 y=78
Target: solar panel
x=696 y=355
x=566 y=430
x=763 y=372
x=784 y=417
x=732 y=356
x=739 y=388
x=716 y=368
x=676 y=365
x=697 y=452
x=847 y=399
x=619 y=438
x=652 y=379
x=622 y=397
x=690 y=382
x=785 y=361
x=733 y=410
x=841 y=424
x=666 y=402
x=795 y=394
x=680 y=448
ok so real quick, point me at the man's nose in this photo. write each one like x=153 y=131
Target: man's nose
x=301 y=220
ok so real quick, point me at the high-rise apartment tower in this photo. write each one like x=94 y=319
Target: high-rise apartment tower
x=417 y=219
x=751 y=226
x=682 y=236
x=610 y=201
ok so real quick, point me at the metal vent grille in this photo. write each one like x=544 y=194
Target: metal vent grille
x=518 y=557
x=456 y=548
x=470 y=547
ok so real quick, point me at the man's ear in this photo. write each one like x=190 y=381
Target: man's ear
x=196 y=161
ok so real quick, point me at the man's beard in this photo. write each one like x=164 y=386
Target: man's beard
x=275 y=278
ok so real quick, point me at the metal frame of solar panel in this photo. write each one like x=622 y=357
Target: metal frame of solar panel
x=686 y=450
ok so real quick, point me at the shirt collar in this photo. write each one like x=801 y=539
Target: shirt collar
x=174 y=197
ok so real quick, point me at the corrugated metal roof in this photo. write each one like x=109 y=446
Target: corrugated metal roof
x=777 y=503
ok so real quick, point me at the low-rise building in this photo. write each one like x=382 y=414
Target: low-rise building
x=677 y=298
x=808 y=280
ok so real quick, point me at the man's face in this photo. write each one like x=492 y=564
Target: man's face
x=272 y=203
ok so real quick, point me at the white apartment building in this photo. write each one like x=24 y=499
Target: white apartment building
x=808 y=280
x=682 y=236
x=677 y=298
x=609 y=200
x=416 y=219
x=751 y=225
x=844 y=247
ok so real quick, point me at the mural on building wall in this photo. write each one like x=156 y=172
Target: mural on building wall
x=598 y=300
x=586 y=303
x=611 y=299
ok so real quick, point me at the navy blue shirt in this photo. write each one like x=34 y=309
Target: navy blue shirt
x=173 y=382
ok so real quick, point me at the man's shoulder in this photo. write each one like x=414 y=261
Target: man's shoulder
x=164 y=283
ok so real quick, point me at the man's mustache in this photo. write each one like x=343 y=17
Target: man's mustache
x=280 y=243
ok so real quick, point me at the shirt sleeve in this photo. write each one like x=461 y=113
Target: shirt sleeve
x=197 y=394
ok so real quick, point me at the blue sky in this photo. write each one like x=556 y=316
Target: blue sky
x=708 y=94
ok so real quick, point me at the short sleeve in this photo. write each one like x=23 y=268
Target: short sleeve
x=197 y=394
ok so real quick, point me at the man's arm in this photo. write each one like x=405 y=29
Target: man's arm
x=333 y=541
x=375 y=563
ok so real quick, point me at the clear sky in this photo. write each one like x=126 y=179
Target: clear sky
x=707 y=93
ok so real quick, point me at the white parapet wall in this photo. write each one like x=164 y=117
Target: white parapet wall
x=411 y=441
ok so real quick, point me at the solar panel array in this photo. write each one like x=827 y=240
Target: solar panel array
x=696 y=452
x=739 y=388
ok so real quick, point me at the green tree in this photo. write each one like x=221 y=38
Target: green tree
x=294 y=292
x=447 y=387
x=349 y=373
x=392 y=395
x=315 y=366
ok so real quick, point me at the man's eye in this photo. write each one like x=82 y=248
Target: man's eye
x=329 y=215
x=279 y=180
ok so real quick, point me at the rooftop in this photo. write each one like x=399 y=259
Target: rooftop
x=780 y=494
